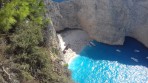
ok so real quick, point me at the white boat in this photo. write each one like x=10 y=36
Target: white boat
x=118 y=50
x=136 y=50
x=91 y=43
x=134 y=59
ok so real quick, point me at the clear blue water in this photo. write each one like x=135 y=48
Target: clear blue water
x=111 y=64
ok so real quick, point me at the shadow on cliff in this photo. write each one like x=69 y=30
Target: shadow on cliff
x=74 y=38
x=131 y=53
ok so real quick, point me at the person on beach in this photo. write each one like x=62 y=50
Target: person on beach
x=66 y=48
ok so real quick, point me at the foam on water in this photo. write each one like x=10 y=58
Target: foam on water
x=111 y=64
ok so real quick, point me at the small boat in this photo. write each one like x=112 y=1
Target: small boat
x=136 y=50
x=118 y=50
x=134 y=59
x=91 y=43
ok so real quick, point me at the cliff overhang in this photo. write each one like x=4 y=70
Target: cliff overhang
x=107 y=21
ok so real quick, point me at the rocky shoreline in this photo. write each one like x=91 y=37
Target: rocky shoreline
x=76 y=39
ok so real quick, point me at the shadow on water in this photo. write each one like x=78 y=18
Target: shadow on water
x=59 y=0
x=131 y=53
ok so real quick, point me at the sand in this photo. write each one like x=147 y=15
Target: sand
x=77 y=39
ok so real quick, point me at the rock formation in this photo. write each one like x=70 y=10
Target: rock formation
x=107 y=21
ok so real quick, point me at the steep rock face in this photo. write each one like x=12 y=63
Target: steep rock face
x=97 y=18
x=107 y=21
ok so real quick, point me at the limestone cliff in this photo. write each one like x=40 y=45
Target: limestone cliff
x=107 y=21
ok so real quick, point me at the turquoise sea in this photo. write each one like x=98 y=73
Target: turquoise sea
x=111 y=64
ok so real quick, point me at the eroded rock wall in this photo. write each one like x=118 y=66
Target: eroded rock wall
x=107 y=21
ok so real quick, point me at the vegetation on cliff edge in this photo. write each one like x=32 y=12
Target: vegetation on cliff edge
x=24 y=57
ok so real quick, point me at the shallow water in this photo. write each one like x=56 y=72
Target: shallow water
x=111 y=64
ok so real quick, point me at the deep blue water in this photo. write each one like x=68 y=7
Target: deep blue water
x=111 y=64
x=58 y=0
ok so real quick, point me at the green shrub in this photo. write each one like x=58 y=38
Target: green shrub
x=27 y=34
x=66 y=65
x=22 y=24
x=15 y=11
x=12 y=10
x=26 y=75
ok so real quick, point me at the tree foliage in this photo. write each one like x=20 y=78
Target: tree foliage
x=14 y=11
x=27 y=34
x=21 y=35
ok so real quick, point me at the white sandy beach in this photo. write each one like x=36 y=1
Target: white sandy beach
x=77 y=39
